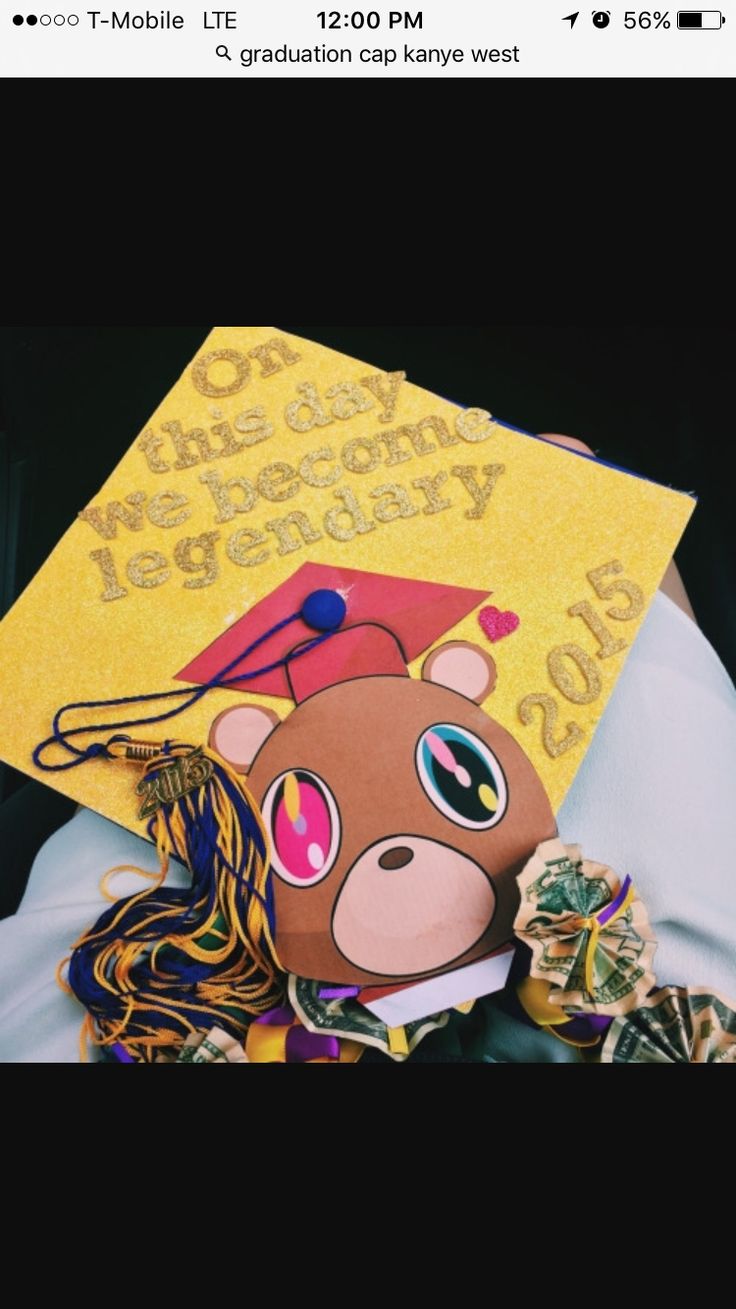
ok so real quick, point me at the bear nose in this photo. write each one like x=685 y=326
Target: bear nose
x=397 y=857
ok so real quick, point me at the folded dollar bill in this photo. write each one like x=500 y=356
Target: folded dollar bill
x=588 y=933
x=675 y=1025
x=346 y=1017
x=213 y=1047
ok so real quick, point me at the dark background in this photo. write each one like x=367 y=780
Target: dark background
x=652 y=399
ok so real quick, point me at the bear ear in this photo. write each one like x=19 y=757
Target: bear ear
x=462 y=667
x=238 y=734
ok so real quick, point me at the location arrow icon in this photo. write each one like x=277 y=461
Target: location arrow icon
x=571 y=19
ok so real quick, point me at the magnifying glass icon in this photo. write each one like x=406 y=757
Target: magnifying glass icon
x=223 y=52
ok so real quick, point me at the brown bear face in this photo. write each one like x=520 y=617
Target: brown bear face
x=399 y=814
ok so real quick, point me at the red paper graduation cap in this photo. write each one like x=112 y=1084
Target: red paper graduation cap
x=388 y=621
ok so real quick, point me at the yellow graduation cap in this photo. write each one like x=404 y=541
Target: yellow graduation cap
x=273 y=452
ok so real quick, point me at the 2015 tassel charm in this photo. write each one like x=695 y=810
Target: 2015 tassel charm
x=163 y=964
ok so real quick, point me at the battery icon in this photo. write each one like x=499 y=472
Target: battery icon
x=700 y=19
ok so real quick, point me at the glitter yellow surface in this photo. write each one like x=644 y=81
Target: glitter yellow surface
x=550 y=518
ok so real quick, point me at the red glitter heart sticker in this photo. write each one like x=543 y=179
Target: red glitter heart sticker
x=497 y=623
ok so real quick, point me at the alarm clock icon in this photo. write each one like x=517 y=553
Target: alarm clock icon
x=601 y=17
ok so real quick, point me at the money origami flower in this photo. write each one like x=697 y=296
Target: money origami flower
x=675 y=1025
x=350 y=1021
x=588 y=934
x=213 y=1047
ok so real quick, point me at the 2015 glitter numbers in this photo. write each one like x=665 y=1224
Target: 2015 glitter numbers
x=606 y=583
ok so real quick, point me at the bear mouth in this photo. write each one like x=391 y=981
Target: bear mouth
x=411 y=905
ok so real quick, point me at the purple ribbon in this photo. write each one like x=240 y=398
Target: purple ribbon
x=121 y=1054
x=302 y=1045
x=584 y=1027
x=277 y=1017
x=611 y=908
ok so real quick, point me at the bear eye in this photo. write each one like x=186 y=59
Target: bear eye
x=301 y=815
x=461 y=776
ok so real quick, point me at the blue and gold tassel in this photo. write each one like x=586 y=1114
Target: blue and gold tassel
x=168 y=962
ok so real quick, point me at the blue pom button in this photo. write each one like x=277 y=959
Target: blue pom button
x=324 y=610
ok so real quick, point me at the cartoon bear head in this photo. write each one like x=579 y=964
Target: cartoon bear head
x=399 y=814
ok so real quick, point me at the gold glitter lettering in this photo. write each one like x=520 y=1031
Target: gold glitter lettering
x=264 y=353
x=574 y=734
x=105 y=520
x=207 y=565
x=182 y=440
x=201 y=371
x=222 y=495
x=276 y=482
x=287 y=543
x=480 y=494
x=442 y=431
x=414 y=432
x=610 y=645
x=254 y=425
x=148 y=569
x=150 y=444
x=607 y=590
x=385 y=387
x=317 y=415
x=243 y=541
x=161 y=508
x=430 y=486
x=349 y=455
x=475 y=425
x=350 y=508
x=395 y=453
x=113 y=589
x=230 y=444
x=563 y=679
x=310 y=477
x=350 y=401
x=397 y=503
